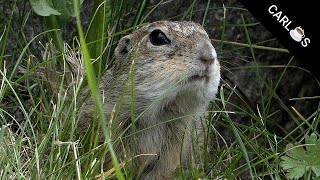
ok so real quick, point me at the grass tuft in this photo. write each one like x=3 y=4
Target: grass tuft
x=44 y=76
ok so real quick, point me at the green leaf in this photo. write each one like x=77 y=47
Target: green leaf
x=316 y=170
x=62 y=9
x=198 y=174
x=312 y=139
x=299 y=160
x=296 y=173
x=43 y=8
x=183 y=174
x=65 y=7
x=194 y=173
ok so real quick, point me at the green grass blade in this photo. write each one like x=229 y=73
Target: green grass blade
x=94 y=90
x=4 y=42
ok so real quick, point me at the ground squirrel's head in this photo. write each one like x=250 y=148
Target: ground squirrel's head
x=172 y=59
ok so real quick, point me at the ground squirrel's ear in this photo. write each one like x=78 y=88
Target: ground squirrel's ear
x=122 y=52
x=123 y=48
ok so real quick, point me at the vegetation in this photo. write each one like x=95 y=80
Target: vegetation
x=40 y=103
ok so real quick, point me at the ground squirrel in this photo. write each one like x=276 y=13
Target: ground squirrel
x=176 y=74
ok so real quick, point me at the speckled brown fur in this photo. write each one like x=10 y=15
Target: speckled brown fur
x=173 y=84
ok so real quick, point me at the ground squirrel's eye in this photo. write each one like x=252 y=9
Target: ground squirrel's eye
x=158 y=38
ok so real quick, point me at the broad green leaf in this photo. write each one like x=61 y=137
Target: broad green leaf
x=297 y=173
x=300 y=159
x=65 y=7
x=316 y=170
x=295 y=152
x=62 y=9
x=314 y=143
x=43 y=8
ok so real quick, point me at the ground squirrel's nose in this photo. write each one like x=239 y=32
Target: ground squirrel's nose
x=207 y=53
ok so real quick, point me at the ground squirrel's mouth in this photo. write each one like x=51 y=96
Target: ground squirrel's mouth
x=198 y=77
x=201 y=76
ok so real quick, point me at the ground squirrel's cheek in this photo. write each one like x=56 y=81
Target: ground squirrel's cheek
x=176 y=67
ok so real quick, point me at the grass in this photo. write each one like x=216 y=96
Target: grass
x=40 y=101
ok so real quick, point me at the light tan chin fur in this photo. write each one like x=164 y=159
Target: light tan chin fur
x=166 y=100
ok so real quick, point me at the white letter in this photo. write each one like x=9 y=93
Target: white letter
x=272 y=6
x=305 y=42
x=284 y=20
x=286 y=27
x=278 y=15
